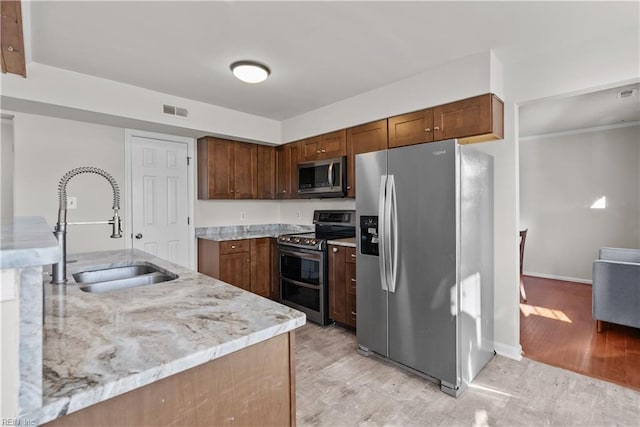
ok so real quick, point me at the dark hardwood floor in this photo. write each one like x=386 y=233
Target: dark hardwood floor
x=556 y=328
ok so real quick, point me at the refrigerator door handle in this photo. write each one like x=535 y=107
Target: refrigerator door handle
x=387 y=232
x=330 y=175
x=382 y=259
x=393 y=227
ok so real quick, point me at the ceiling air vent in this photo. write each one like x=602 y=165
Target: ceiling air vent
x=627 y=93
x=175 y=111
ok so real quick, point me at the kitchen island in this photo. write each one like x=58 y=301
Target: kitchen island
x=193 y=350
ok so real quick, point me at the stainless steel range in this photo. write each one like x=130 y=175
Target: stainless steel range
x=303 y=263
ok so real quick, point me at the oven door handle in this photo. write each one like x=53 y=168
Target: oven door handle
x=313 y=257
x=302 y=284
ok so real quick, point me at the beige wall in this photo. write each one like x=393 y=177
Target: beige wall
x=561 y=176
x=6 y=174
x=9 y=334
x=45 y=149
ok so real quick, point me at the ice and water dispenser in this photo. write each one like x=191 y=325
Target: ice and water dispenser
x=369 y=235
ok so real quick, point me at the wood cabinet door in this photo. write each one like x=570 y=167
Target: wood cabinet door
x=350 y=305
x=460 y=119
x=294 y=153
x=336 y=283
x=245 y=165
x=215 y=168
x=412 y=128
x=363 y=139
x=261 y=266
x=334 y=144
x=266 y=171
x=310 y=149
x=235 y=269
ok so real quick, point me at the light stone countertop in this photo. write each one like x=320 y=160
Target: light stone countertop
x=97 y=346
x=28 y=242
x=255 y=231
x=347 y=241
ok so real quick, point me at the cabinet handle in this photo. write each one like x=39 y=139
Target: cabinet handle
x=436 y=128
x=427 y=130
x=317 y=151
x=230 y=191
x=353 y=255
x=323 y=151
x=335 y=250
x=348 y=187
x=284 y=191
x=353 y=280
x=233 y=246
x=353 y=313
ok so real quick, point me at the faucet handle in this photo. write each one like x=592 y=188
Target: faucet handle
x=116 y=223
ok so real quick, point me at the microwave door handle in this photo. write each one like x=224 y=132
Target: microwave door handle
x=330 y=174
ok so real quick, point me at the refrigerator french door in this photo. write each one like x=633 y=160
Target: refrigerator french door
x=409 y=208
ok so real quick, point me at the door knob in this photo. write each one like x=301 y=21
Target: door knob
x=139 y=236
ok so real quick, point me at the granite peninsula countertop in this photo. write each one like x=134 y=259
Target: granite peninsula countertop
x=29 y=241
x=97 y=346
x=254 y=231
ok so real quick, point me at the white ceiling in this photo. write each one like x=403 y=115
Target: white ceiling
x=319 y=52
x=601 y=108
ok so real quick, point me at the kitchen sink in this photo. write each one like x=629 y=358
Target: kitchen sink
x=121 y=277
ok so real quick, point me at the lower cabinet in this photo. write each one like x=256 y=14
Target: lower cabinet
x=342 y=284
x=247 y=263
x=252 y=386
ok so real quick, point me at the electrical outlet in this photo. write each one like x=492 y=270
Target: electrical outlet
x=72 y=202
x=243 y=215
x=298 y=214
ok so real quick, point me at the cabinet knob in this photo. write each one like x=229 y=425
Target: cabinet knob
x=348 y=187
x=323 y=151
x=335 y=250
x=284 y=191
x=427 y=130
x=436 y=128
x=139 y=236
x=233 y=246
x=230 y=191
x=317 y=151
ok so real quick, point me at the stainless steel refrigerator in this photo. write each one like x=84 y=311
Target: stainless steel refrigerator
x=425 y=260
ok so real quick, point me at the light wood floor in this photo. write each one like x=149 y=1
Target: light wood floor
x=338 y=387
x=557 y=328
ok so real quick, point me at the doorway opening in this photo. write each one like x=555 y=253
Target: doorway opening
x=579 y=191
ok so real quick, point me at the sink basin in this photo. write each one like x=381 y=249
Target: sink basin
x=122 y=277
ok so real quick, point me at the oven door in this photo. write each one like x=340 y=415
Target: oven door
x=302 y=282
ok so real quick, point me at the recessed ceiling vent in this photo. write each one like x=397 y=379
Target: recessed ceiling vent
x=175 y=111
x=627 y=93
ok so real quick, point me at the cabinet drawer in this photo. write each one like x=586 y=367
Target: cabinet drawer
x=351 y=255
x=350 y=318
x=234 y=246
x=351 y=278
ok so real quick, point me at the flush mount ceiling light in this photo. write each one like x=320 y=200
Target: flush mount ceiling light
x=250 y=71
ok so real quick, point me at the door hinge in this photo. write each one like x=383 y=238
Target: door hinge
x=188 y=160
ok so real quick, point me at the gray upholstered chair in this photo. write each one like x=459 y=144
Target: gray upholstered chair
x=616 y=287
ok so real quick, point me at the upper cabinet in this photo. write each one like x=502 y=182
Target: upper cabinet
x=287 y=171
x=411 y=128
x=363 y=139
x=471 y=120
x=266 y=172
x=227 y=169
x=326 y=146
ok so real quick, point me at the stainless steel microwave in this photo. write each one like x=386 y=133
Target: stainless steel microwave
x=323 y=178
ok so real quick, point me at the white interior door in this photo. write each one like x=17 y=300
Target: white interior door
x=159 y=198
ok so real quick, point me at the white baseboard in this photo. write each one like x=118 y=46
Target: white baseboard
x=509 y=351
x=553 y=276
